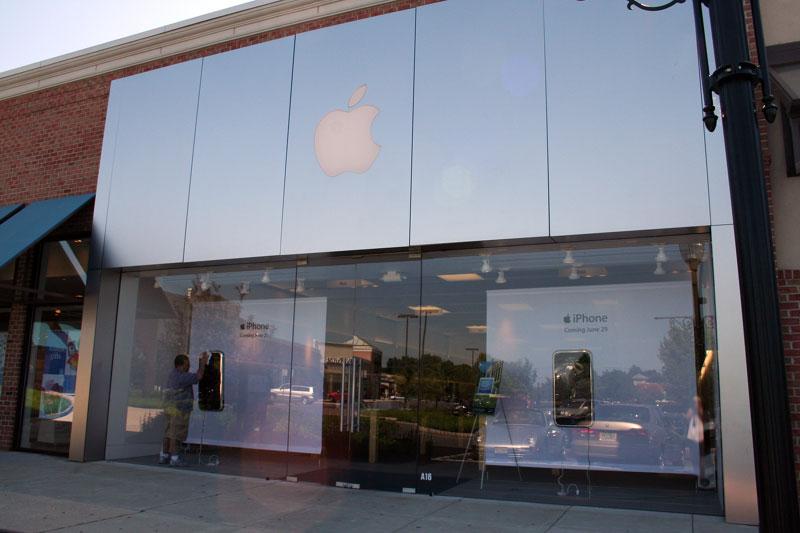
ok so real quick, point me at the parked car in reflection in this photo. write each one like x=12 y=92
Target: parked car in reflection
x=522 y=435
x=575 y=412
x=622 y=433
x=303 y=393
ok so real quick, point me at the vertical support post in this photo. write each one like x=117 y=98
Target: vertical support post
x=774 y=458
x=93 y=385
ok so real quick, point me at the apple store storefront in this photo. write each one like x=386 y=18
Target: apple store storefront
x=448 y=250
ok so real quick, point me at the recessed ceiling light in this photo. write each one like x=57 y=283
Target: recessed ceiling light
x=428 y=309
x=391 y=276
x=471 y=276
x=661 y=256
x=516 y=307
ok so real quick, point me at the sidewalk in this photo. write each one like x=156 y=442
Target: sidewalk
x=41 y=493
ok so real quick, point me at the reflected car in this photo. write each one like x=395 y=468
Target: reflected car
x=522 y=434
x=622 y=433
x=296 y=392
x=575 y=412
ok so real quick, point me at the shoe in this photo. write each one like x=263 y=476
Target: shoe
x=178 y=461
x=163 y=459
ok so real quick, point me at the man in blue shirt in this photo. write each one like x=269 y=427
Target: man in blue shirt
x=178 y=405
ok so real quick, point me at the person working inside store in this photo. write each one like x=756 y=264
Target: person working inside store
x=178 y=405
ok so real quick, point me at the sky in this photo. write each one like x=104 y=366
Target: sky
x=35 y=30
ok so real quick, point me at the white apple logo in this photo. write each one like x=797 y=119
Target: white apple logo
x=343 y=139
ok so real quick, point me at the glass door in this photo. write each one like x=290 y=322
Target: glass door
x=361 y=322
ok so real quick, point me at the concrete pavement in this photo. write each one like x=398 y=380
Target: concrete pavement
x=42 y=493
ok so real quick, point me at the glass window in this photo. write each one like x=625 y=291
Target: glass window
x=54 y=346
x=63 y=270
x=584 y=373
x=52 y=369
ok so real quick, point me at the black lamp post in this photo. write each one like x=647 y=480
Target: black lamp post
x=734 y=81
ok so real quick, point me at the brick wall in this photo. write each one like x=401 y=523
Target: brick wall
x=15 y=348
x=50 y=144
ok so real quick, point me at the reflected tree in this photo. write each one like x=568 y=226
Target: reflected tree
x=677 y=354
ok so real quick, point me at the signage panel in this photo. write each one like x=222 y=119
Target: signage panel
x=348 y=172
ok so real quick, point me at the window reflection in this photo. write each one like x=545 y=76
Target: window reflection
x=584 y=372
x=52 y=372
x=63 y=269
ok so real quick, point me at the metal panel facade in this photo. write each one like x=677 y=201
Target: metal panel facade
x=146 y=218
x=348 y=172
x=480 y=124
x=236 y=196
x=506 y=144
x=624 y=130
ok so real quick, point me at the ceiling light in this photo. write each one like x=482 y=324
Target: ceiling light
x=265 y=276
x=568 y=259
x=391 y=276
x=659 y=271
x=477 y=328
x=516 y=307
x=486 y=266
x=204 y=281
x=471 y=276
x=573 y=273
x=661 y=256
x=428 y=309
x=350 y=284
x=501 y=278
x=243 y=288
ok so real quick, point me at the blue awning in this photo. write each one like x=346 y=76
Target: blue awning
x=7 y=210
x=34 y=222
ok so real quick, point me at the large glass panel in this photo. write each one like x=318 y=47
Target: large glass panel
x=54 y=346
x=573 y=374
x=582 y=374
x=369 y=352
x=243 y=318
x=63 y=270
x=50 y=385
x=486 y=421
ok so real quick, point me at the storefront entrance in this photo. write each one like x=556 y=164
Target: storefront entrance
x=582 y=374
